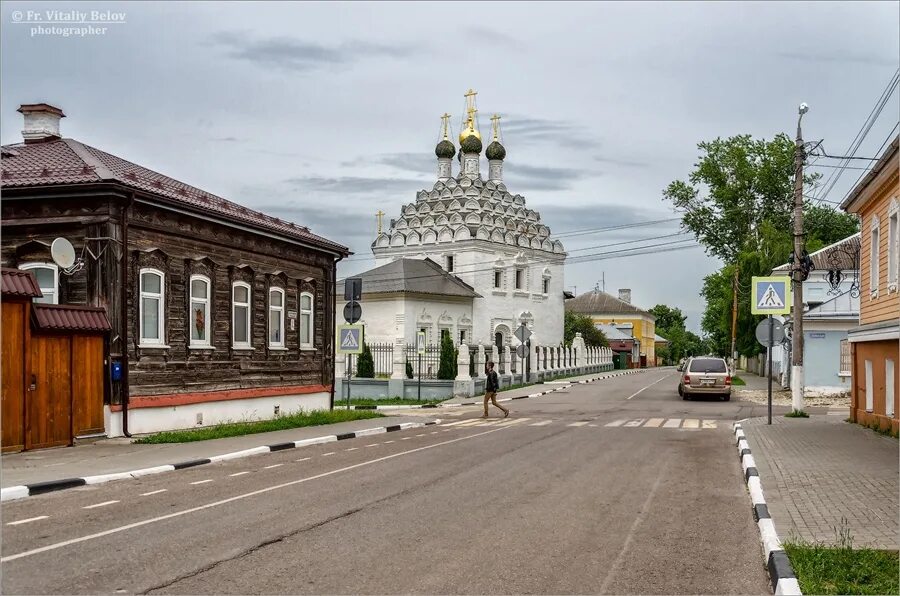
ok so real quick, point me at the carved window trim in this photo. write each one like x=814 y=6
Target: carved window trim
x=874 y=257
x=893 y=245
x=307 y=321
x=235 y=304
x=206 y=302
x=279 y=311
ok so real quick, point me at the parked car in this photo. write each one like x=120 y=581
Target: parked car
x=705 y=375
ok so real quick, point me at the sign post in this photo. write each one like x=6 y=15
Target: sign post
x=522 y=334
x=350 y=341
x=420 y=350
x=769 y=332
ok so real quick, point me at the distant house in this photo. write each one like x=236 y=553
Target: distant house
x=606 y=309
x=217 y=312
x=621 y=341
x=831 y=298
x=875 y=343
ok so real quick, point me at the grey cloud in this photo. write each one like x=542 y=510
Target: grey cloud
x=623 y=162
x=355 y=184
x=300 y=56
x=422 y=162
x=843 y=56
x=524 y=131
x=529 y=177
x=492 y=36
x=565 y=219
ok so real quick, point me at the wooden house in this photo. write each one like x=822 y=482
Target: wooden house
x=217 y=312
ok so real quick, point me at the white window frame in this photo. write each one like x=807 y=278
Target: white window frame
x=280 y=310
x=311 y=311
x=893 y=245
x=54 y=293
x=160 y=340
x=870 y=389
x=889 y=396
x=874 y=257
x=241 y=345
x=199 y=343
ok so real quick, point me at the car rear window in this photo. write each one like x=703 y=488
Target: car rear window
x=711 y=365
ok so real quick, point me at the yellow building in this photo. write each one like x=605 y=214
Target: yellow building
x=605 y=309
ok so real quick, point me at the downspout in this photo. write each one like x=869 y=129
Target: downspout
x=332 y=285
x=124 y=315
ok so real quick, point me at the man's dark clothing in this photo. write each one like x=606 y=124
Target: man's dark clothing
x=493 y=382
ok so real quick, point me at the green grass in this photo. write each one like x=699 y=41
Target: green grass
x=796 y=414
x=288 y=421
x=842 y=569
x=392 y=401
x=737 y=381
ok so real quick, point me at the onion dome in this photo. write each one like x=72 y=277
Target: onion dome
x=445 y=149
x=471 y=143
x=495 y=151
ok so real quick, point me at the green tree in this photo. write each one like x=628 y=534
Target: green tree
x=668 y=318
x=365 y=368
x=824 y=225
x=578 y=323
x=447 y=368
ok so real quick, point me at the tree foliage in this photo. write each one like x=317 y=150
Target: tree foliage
x=682 y=343
x=579 y=323
x=365 y=367
x=447 y=368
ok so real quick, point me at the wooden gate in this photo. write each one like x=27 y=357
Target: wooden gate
x=48 y=417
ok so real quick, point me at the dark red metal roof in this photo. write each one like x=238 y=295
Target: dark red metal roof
x=66 y=317
x=19 y=284
x=67 y=161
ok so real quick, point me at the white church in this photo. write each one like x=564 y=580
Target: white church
x=467 y=257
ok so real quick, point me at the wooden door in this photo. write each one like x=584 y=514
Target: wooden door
x=88 y=385
x=48 y=413
x=12 y=412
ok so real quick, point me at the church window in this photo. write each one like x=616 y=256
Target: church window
x=520 y=278
x=462 y=336
x=546 y=285
x=498 y=279
x=450 y=263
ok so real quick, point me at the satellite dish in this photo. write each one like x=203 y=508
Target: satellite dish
x=63 y=253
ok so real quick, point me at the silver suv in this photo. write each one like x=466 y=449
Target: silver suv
x=705 y=375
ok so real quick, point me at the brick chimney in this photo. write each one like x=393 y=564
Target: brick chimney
x=41 y=122
x=625 y=295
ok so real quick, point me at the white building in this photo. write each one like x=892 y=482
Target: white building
x=485 y=236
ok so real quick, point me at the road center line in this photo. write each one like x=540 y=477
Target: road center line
x=162 y=490
x=25 y=521
x=103 y=504
x=202 y=481
x=261 y=491
x=648 y=386
x=272 y=466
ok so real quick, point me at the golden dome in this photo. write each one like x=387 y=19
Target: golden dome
x=468 y=132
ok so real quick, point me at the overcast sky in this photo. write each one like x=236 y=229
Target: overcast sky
x=325 y=113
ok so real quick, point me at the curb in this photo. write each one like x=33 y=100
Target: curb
x=29 y=490
x=784 y=581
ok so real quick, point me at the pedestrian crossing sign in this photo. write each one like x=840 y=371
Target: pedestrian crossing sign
x=771 y=296
x=350 y=339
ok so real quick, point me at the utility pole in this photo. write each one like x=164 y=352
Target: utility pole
x=797 y=271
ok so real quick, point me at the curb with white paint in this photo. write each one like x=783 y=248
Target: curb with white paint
x=784 y=581
x=39 y=488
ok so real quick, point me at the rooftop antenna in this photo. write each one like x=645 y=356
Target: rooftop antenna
x=63 y=254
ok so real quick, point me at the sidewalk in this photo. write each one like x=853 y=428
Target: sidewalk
x=111 y=456
x=817 y=471
x=756 y=390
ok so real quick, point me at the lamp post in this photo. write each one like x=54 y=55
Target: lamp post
x=797 y=273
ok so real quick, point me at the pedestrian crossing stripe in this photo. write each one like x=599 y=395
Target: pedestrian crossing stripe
x=660 y=423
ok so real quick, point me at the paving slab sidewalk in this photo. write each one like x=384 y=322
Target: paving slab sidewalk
x=110 y=456
x=819 y=471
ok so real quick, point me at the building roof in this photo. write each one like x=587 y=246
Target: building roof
x=596 y=302
x=888 y=158
x=842 y=255
x=66 y=317
x=67 y=161
x=420 y=276
x=657 y=338
x=843 y=306
x=15 y=283
x=613 y=333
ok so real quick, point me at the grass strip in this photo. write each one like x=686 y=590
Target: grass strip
x=824 y=569
x=285 y=422
x=737 y=381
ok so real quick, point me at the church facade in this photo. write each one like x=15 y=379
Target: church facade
x=487 y=237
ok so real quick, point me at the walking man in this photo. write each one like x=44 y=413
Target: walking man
x=490 y=390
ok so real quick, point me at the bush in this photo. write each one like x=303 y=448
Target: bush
x=447 y=369
x=365 y=368
x=409 y=370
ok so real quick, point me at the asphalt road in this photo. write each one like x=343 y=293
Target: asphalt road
x=613 y=487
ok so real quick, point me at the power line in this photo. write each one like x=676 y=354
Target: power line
x=880 y=149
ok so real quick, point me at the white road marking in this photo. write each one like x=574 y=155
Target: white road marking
x=327 y=454
x=145 y=522
x=634 y=423
x=103 y=504
x=648 y=386
x=351 y=449
x=592 y=425
x=162 y=490
x=541 y=423
x=709 y=424
x=434 y=432
x=202 y=481
x=389 y=442
x=672 y=423
x=582 y=423
x=25 y=521
x=691 y=423
x=405 y=438
x=373 y=445
x=422 y=435
x=654 y=422
x=272 y=466
x=616 y=423
x=302 y=459
x=238 y=474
